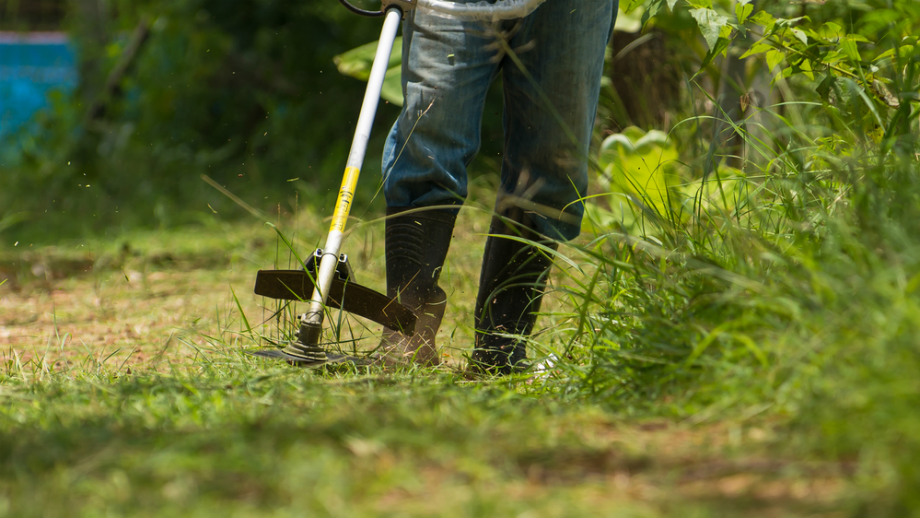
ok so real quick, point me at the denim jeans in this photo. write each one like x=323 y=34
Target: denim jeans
x=551 y=64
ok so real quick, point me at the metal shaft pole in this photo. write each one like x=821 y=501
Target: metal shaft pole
x=311 y=321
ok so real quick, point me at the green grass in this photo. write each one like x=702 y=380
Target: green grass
x=741 y=343
x=733 y=364
x=237 y=436
x=737 y=372
x=169 y=416
x=796 y=300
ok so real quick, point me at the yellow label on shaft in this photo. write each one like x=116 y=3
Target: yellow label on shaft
x=346 y=195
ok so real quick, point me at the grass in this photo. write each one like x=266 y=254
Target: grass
x=716 y=376
x=124 y=391
x=799 y=302
x=234 y=436
x=716 y=366
x=741 y=344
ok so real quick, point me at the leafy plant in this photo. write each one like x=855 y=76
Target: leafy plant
x=246 y=95
x=357 y=63
x=772 y=285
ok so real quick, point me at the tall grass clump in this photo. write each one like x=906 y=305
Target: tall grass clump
x=788 y=285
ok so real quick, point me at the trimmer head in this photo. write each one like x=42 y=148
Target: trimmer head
x=298 y=360
x=344 y=294
x=292 y=357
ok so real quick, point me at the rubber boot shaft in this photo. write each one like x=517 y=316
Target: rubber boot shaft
x=417 y=242
x=511 y=286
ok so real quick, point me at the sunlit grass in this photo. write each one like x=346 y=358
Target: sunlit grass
x=794 y=298
x=192 y=425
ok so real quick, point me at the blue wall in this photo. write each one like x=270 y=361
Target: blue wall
x=31 y=66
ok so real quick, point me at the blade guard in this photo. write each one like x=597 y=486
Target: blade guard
x=344 y=294
x=301 y=360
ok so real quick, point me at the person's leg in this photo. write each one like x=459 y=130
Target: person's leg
x=552 y=84
x=551 y=98
x=447 y=68
x=515 y=266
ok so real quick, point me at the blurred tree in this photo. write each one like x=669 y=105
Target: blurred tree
x=32 y=15
x=244 y=91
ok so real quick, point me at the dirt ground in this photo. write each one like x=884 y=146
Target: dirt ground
x=73 y=310
x=141 y=308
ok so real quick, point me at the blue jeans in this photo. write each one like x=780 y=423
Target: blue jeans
x=550 y=101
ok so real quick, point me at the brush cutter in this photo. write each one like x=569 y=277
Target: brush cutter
x=326 y=279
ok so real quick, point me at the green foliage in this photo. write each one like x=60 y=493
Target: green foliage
x=639 y=171
x=646 y=182
x=855 y=56
x=788 y=283
x=357 y=63
x=245 y=93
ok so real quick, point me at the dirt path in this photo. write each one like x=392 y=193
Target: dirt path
x=130 y=315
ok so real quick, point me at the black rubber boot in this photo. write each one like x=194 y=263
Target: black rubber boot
x=416 y=246
x=511 y=288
